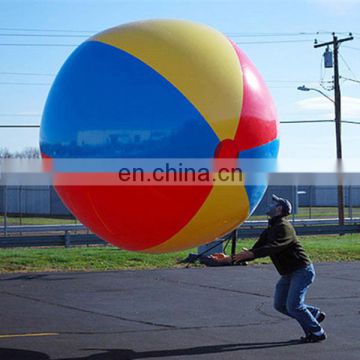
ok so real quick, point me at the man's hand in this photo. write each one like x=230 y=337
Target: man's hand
x=243 y=256
x=237 y=258
x=221 y=258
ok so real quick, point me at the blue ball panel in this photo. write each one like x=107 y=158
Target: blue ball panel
x=107 y=103
x=266 y=152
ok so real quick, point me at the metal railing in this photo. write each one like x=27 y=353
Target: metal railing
x=68 y=234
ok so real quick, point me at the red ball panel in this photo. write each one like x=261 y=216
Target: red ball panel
x=258 y=121
x=134 y=217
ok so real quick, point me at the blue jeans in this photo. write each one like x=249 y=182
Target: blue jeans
x=290 y=297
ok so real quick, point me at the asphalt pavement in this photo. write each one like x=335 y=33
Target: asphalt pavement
x=199 y=313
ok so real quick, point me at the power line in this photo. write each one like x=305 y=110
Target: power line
x=288 y=81
x=281 y=87
x=281 y=122
x=25 y=73
x=237 y=34
x=273 y=42
x=350 y=122
x=305 y=121
x=20 y=115
x=45 y=35
x=237 y=42
x=48 y=84
x=351 y=47
x=280 y=34
x=299 y=33
x=48 y=74
x=347 y=65
x=343 y=77
x=318 y=121
x=43 y=45
x=231 y=34
x=20 y=126
x=73 y=45
x=28 y=84
x=47 y=30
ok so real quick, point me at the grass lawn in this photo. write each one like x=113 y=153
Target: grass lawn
x=320 y=249
x=14 y=220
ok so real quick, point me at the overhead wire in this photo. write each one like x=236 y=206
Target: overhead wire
x=272 y=81
x=281 y=122
x=24 y=73
x=47 y=30
x=318 y=121
x=20 y=126
x=237 y=34
x=287 y=81
x=345 y=78
x=48 y=84
x=304 y=121
x=81 y=33
x=73 y=45
x=41 y=45
x=86 y=33
x=348 y=66
x=351 y=47
x=272 y=42
x=23 y=83
x=44 y=35
x=20 y=115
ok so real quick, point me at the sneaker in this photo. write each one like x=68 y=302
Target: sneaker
x=312 y=338
x=321 y=317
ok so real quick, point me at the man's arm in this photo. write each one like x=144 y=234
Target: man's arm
x=262 y=239
x=247 y=255
x=282 y=238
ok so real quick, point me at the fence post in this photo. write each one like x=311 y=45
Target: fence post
x=294 y=192
x=233 y=242
x=350 y=204
x=20 y=204
x=67 y=239
x=5 y=210
x=310 y=200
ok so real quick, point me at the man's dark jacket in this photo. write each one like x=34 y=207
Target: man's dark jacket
x=279 y=241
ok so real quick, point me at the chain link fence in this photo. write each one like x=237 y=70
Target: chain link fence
x=35 y=215
x=316 y=202
x=32 y=205
x=23 y=205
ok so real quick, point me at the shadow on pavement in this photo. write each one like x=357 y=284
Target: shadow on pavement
x=128 y=354
x=43 y=277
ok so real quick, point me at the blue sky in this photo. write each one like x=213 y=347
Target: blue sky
x=284 y=65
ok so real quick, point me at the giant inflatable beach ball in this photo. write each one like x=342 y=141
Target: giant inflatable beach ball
x=151 y=90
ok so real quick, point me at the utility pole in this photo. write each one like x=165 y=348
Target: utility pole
x=337 y=96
